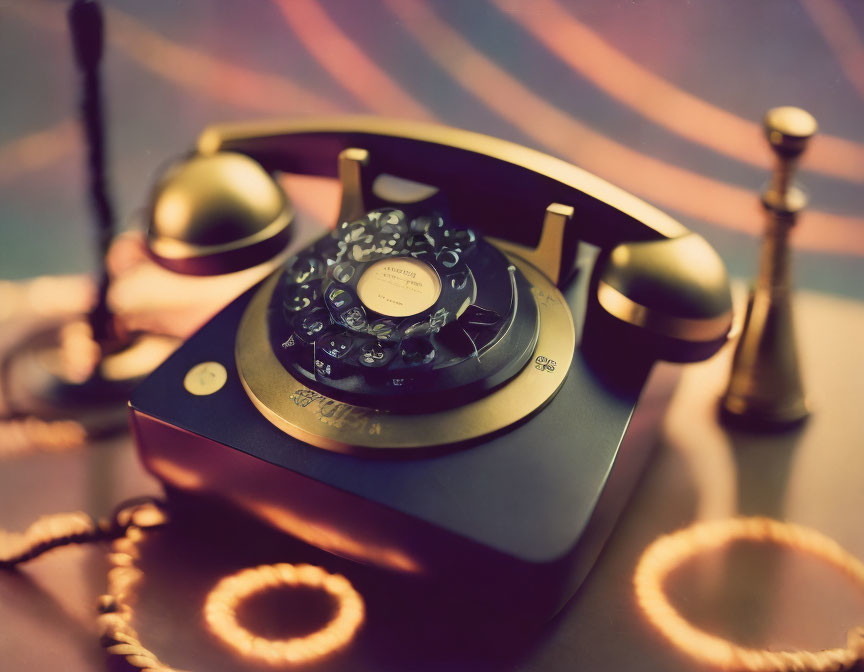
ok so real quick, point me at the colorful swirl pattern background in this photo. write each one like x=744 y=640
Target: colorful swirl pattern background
x=663 y=100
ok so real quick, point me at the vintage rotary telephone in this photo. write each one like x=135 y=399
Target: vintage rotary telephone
x=443 y=384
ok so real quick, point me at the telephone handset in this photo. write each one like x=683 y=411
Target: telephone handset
x=441 y=312
x=657 y=274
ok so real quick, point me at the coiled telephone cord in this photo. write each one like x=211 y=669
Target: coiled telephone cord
x=125 y=530
x=127 y=527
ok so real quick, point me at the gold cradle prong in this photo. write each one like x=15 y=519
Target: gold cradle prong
x=351 y=164
x=546 y=256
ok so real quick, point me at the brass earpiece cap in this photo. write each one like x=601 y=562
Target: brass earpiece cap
x=216 y=214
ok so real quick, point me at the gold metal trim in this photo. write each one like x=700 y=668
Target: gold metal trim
x=205 y=378
x=699 y=331
x=334 y=425
x=766 y=387
x=351 y=163
x=172 y=248
x=547 y=255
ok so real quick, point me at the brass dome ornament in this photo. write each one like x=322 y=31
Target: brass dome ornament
x=765 y=389
x=217 y=213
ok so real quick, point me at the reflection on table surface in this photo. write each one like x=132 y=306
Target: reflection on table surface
x=754 y=595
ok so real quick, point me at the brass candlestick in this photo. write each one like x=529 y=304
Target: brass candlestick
x=765 y=389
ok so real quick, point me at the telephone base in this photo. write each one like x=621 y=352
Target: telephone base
x=512 y=522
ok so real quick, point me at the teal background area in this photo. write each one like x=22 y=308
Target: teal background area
x=738 y=55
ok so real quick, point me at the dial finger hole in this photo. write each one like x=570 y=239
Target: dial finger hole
x=344 y=272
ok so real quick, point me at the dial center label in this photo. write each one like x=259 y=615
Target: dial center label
x=399 y=286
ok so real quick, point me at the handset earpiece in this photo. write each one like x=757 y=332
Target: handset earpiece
x=669 y=298
x=217 y=213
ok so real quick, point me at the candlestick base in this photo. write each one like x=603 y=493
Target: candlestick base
x=766 y=390
x=60 y=373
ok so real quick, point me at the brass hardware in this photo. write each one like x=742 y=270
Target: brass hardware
x=547 y=255
x=676 y=289
x=334 y=425
x=217 y=213
x=351 y=163
x=625 y=309
x=765 y=388
x=205 y=378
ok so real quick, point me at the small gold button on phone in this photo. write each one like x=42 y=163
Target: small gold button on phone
x=205 y=378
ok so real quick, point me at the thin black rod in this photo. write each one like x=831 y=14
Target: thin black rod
x=86 y=26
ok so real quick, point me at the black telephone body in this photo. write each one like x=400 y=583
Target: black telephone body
x=447 y=384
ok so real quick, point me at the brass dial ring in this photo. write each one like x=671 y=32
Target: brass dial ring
x=334 y=425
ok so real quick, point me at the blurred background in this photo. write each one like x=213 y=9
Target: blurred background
x=662 y=99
